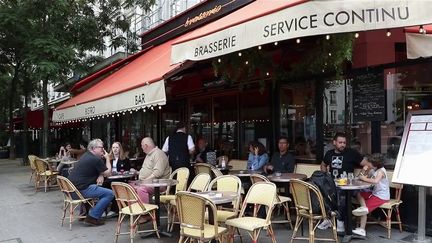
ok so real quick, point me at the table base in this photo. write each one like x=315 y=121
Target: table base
x=348 y=238
x=161 y=233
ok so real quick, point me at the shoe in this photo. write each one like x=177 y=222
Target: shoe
x=111 y=214
x=340 y=226
x=325 y=224
x=360 y=211
x=359 y=231
x=92 y=221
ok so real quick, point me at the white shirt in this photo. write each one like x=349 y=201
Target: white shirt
x=190 y=143
x=114 y=165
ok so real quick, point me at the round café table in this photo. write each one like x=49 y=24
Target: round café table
x=348 y=189
x=285 y=178
x=157 y=184
x=244 y=173
x=121 y=177
x=219 y=197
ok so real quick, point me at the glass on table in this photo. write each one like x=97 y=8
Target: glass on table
x=350 y=178
x=335 y=173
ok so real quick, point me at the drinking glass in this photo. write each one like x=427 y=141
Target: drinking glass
x=350 y=177
x=335 y=173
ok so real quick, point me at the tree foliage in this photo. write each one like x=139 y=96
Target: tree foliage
x=46 y=40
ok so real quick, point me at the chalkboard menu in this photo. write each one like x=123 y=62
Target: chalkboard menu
x=368 y=97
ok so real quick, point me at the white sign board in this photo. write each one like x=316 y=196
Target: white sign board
x=307 y=19
x=414 y=161
x=138 y=98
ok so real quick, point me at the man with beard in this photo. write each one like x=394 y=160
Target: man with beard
x=342 y=159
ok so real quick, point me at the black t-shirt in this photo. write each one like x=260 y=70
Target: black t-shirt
x=283 y=163
x=346 y=161
x=87 y=170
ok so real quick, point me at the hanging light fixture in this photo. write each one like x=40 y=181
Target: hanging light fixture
x=327 y=37
x=388 y=34
x=422 y=30
x=298 y=40
x=356 y=35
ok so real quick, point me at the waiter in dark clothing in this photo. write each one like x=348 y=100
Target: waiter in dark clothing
x=179 y=147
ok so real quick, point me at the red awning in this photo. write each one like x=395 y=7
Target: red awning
x=133 y=86
x=105 y=70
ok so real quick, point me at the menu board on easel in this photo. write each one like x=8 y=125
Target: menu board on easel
x=415 y=154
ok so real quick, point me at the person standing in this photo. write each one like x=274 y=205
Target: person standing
x=179 y=147
x=281 y=161
x=88 y=175
x=337 y=161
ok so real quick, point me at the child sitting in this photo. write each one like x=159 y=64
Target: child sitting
x=370 y=200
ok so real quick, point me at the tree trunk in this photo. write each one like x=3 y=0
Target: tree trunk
x=25 y=88
x=12 y=92
x=45 y=133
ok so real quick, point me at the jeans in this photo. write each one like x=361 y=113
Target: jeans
x=104 y=195
x=341 y=205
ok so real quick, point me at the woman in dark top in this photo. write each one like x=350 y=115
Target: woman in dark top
x=119 y=162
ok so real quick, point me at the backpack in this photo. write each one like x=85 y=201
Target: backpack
x=326 y=185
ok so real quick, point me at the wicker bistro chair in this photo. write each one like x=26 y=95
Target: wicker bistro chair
x=44 y=172
x=260 y=193
x=227 y=183
x=281 y=201
x=216 y=172
x=182 y=176
x=391 y=206
x=72 y=199
x=203 y=168
x=192 y=210
x=129 y=204
x=199 y=184
x=32 y=159
x=303 y=194
x=307 y=169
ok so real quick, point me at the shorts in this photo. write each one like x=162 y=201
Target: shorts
x=372 y=201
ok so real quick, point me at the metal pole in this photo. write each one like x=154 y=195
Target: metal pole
x=421 y=234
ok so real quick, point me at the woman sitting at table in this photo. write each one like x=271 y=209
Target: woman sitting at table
x=257 y=156
x=119 y=161
x=370 y=200
x=67 y=153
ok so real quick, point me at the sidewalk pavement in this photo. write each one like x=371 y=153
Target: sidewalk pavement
x=27 y=216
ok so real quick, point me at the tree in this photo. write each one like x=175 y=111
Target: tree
x=57 y=37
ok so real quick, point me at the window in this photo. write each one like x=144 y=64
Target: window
x=333 y=117
x=333 y=100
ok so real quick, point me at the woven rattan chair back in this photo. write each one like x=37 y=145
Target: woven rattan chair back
x=69 y=190
x=260 y=194
x=302 y=194
x=200 y=183
x=216 y=172
x=191 y=211
x=32 y=159
x=258 y=178
x=203 y=168
x=182 y=176
x=125 y=196
x=41 y=166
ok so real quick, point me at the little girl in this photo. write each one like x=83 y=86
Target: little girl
x=370 y=200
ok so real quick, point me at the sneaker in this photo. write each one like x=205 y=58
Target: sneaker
x=359 y=231
x=340 y=226
x=325 y=224
x=92 y=221
x=111 y=214
x=360 y=211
